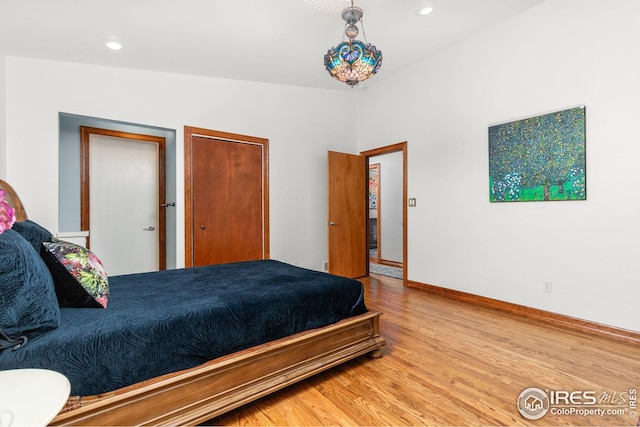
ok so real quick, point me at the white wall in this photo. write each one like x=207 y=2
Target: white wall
x=301 y=125
x=560 y=54
x=3 y=119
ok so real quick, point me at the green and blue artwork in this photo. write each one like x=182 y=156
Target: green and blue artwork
x=539 y=158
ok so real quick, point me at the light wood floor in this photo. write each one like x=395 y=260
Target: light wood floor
x=453 y=363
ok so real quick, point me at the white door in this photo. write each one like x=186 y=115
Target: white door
x=124 y=204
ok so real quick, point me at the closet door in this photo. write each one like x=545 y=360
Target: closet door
x=227 y=193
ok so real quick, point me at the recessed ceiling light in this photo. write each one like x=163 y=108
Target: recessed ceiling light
x=424 y=10
x=113 y=45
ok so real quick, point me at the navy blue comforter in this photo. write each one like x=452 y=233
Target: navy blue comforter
x=161 y=322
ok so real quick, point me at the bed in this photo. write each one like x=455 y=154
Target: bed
x=180 y=347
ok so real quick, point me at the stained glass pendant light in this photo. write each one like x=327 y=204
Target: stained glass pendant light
x=353 y=61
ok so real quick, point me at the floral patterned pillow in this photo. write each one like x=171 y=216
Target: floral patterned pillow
x=78 y=274
x=7 y=214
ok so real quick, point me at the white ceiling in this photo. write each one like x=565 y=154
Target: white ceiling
x=276 y=41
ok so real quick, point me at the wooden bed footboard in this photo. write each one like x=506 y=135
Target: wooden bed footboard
x=195 y=395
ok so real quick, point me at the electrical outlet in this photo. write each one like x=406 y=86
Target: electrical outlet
x=547 y=286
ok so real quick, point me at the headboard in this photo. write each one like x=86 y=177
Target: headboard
x=14 y=201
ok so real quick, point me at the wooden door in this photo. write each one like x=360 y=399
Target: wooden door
x=122 y=191
x=226 y=198
x=348 y=254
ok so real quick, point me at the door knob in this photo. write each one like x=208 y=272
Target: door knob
x=150 y=228
x=332 y=223
x=203 y=227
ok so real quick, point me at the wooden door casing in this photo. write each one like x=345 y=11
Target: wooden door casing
x=226 y=197
x=85 y=180
x=403 y=148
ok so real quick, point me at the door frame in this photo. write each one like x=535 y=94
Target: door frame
x=189 y=133
x=85 y=182
x=399 y=147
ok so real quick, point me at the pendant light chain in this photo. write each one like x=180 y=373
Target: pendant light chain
x=353 y=61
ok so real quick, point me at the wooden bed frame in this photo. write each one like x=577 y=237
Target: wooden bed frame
x=195 y=395
x=14 y=201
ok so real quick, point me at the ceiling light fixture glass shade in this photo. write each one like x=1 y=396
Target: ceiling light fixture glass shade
x=353 y=61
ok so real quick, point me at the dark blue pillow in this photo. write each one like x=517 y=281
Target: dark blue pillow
x=34 y=233
x=28 y=300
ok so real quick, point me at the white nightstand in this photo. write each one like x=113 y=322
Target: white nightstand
x=31 y=397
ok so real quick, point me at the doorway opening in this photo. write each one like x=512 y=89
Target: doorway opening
x=387 y=214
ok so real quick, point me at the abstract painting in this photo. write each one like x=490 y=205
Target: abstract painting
x=374 y=183
x=538 y=159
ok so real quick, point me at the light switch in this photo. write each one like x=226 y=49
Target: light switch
x=412 y=202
